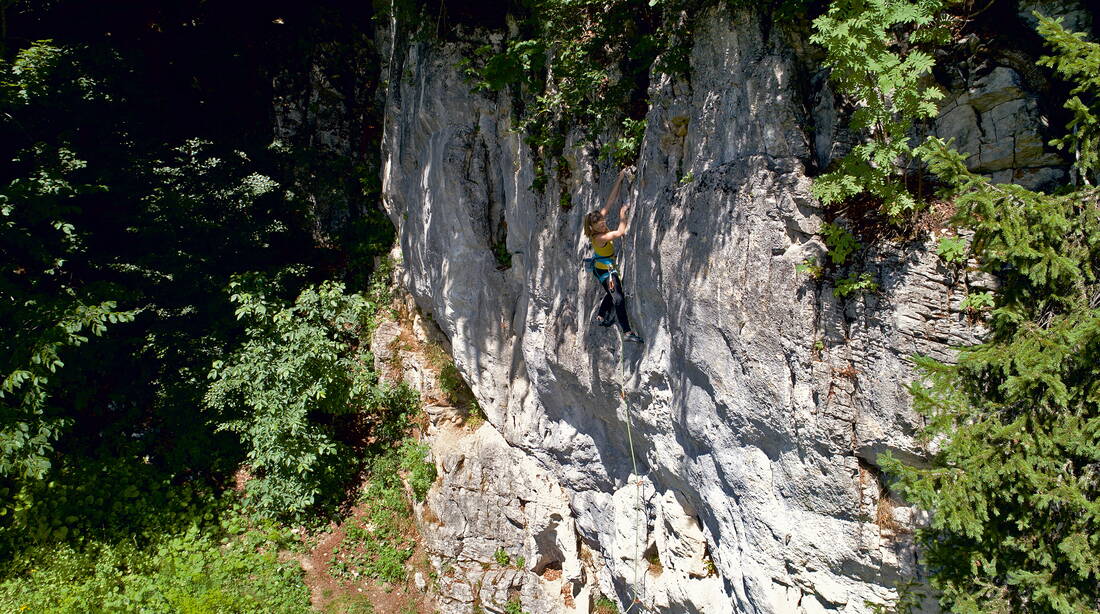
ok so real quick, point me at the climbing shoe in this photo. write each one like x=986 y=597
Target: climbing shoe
x=632 y=337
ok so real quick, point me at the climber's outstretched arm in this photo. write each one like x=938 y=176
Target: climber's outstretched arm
x=624 y=226
x=614 y=192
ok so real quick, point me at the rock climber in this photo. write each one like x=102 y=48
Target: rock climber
x=613 y=307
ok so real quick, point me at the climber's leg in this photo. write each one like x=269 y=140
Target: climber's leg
x=605 y=316
x=614 y=288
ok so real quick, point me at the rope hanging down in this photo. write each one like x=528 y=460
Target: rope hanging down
x=638 y=589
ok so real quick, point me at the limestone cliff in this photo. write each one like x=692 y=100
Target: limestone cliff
x=759 y=402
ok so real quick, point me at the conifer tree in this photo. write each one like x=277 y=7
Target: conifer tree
x=1014 y=486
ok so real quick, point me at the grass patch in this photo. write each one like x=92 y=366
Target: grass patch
x=350 y=603
x=605 y=605
x=232 y=566
x=377 y=543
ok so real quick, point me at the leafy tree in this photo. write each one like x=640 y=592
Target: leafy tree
x=44 y=310
x=874 y=50
x=299 y=366
x=1015 y=482
x=140 y=177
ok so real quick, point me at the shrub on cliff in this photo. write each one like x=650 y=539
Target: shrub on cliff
x=879 y=56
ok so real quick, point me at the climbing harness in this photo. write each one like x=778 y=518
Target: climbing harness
x=601 y=273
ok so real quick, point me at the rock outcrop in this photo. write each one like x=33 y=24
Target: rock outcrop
x=729 y=463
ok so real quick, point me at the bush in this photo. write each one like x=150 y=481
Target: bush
x=299 y=366
x=421 y=471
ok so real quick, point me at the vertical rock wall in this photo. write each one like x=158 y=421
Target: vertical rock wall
x=759 y=402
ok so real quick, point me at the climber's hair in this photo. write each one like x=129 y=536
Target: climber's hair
x=595 y=223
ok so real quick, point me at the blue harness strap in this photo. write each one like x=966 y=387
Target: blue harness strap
x=601 y=274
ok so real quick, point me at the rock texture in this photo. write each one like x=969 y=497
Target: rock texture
x=729 y=463
x=999 y=121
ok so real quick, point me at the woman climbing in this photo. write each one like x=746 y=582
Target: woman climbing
x=613 y=306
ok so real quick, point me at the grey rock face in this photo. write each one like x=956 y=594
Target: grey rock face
x=503 y=528
x=726 y=465
x=1000 y=122
x=1073 y=13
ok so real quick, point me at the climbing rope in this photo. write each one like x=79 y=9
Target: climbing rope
x=638 y=589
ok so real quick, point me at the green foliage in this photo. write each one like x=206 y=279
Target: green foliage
x=605 y=605
x=189 y=562
x=502 y=558
x=874 y=50
x=623 y=151
x=854 y=283
x=811 y=268
x=514 y=607
x=351 y=603
x=952 y=249
x=380 y=291
x=26 y=433
x=840 y=241
x=583 y=63
x=45 y=310
x=515 y=64
x=421 y=471
x=475 y=416
x=390 y=413
x=521 y=562
x=978 y=301
x=687 y=178
x=450 y=379
x=1014 y=489
x=377 y=544
x=118 y=220
x=1077 y=60
x=118 y=236
x=111 y=497
x=298 y=363
x=502 y=255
